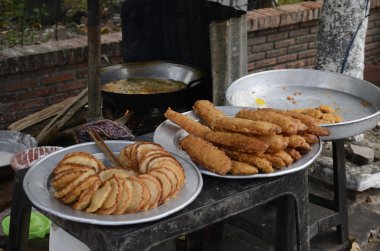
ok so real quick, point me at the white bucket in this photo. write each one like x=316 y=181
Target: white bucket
x=60 y=240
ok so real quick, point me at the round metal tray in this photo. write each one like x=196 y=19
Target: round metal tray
x=37 y=188
x=356 y=100
x=169 y=134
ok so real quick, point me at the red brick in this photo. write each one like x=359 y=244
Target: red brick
x=7 y=98
x=251 y=66
x=305 y=54
x=19 y=85
x=58 y=78
x=369 y=39
x=297 y=48
x=373 y=31
x=28 y=104
x=284 y=43
x=71 y=85
x=312 y=45
x=376 y=38
x=265 y=62
x=252 y=57
x=287 y=58
x=306 y=38
x=299 y=32
x=277 y=36
x=296 y=64
x=276 y=52
x=254 y=40
x=262 y=47
x=279 y=66
x=46 y=91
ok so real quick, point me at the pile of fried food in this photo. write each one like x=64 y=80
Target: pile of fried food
x=324 y=114
x=251 y=142
x=150 y=176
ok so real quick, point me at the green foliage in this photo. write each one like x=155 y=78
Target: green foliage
x=284 y=2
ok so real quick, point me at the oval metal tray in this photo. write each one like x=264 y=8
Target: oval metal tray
x=38 y=190
x=169 y=134
x=356 y=100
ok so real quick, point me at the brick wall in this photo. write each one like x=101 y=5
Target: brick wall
x=285 y=37
x=34 y=77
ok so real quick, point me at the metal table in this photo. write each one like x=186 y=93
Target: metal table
x=218 y=200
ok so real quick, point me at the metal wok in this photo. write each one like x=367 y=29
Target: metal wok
x=187 y=74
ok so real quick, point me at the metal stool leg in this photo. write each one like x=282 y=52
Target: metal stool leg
x=20 y=215
x=340 y=193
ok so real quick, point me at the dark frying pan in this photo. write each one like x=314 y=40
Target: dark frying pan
x=187 y=74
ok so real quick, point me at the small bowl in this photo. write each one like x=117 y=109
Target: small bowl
x=30 y=156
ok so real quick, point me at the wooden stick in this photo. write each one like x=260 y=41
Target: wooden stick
x=105 y=149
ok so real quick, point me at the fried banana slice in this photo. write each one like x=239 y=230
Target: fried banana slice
x=166 y=185
x=118 y=172
x=288 y=126
x=110 y=204
x=261 y=163
x=83 y=158
x=155 y=189
x=235 y=140
x=125 y=196
x=85 y=198
x=241 y=168
x=207 y=111
x=72 y=184
x=63 y=179
x=172 y=178
x=63 y=167
x=310 y=138
x=73 y=195
x=206 y=155
x=189 y=125
x=99 y=197
x=140 y=196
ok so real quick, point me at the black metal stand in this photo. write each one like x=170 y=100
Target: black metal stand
x=339 y=203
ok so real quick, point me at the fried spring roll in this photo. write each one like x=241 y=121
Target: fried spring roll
x=206 y=110
x=235 y=140
x=293 y=153
x=241 y=168
x=261 y=163
x=287 y=158
x=275 y=143
x=298 y=142
x=206 y=155
x=287 y=125
x=189 y=125
x=246 y=126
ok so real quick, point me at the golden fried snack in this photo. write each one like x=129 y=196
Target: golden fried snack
x=241 y=168
x=155 y=190
x=125 y=195
x=189 y=125
x=299 y=142
x=276 y=161
x=310 y=122
x=206 y=155
x=246 y=126
x=275 y=142
x=140 y=194
x=73 y=195
x=110 y=204
x=261 y=163
x=236 y=140
x=288 y=126
x=207 y=111
x=293 y=153
x=83 y=158
x=73 y=183
x=315 y=113
x=118 y=172
x=165 y=184
x=85 y=198
x=99 y=197
x=310 y=138
x=287 y=158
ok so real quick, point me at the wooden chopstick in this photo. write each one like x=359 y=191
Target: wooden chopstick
x=105 y=149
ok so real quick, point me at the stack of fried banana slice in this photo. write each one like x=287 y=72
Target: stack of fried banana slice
x=152 y=177
x=251 y=142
